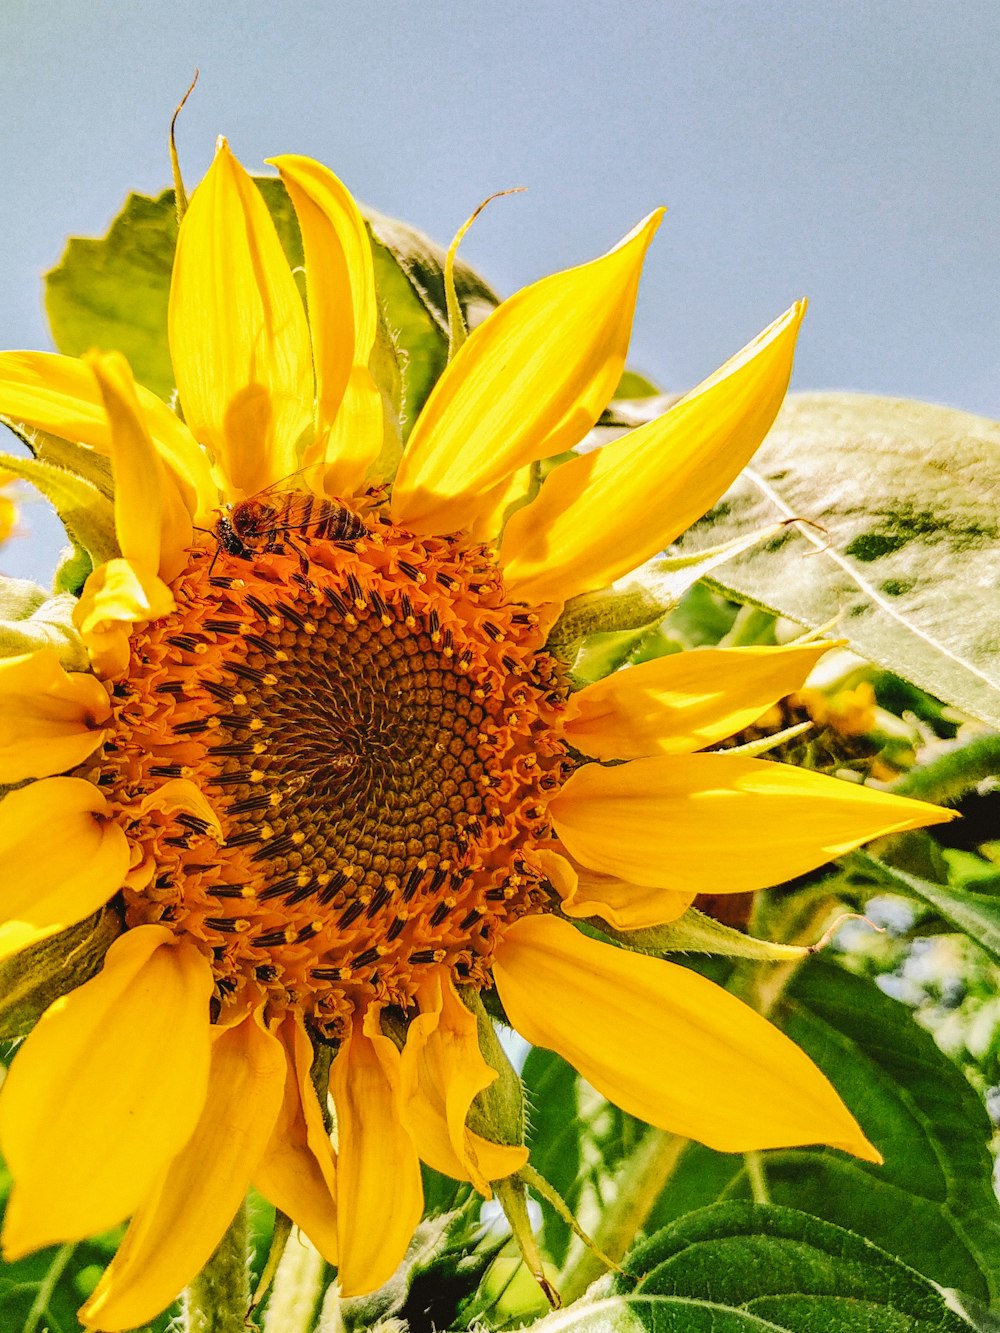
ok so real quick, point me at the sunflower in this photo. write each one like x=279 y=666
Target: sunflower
x=326 y=769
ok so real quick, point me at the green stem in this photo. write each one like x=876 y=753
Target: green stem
x=639 y=1186
x=218 y=1299
x=297 y=1288
x=753 y=1164
x=40 y=1305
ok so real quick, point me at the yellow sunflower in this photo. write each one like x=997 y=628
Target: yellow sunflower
x=337 y=785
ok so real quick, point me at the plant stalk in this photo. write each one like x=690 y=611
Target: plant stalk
x=218 y=1299
x=639 y=1186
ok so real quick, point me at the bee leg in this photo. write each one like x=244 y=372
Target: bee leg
x=303 y=557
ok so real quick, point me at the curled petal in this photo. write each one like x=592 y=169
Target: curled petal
x=184 y=1216
x=59 y=395
x=298 y=1169
x=379 y=1192
x=105 y=1090
x=238 y=334
x=48 y=883
x=443 y=1070
x=685 y=701
x=586 y=893
x=117 y=595
x=343 y=319
x=650 y=821
x=604 y=513
x=529 y=382
x=152 y=523
x=50 y=719
x=667 y=1045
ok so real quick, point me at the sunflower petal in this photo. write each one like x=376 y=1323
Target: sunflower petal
x=152 y=523
x=117 y=595
x=667 y=1045
x=379 y=1192
x=622 y=905
x=298 y=1169
x=529 y=382
x=50 y=719
x=238 y=333
x=685 y=701
x=105 y=1091
x=46 y=882
x=443 y=1070
x=59 y=395
x=604 y=513
x=721 y=823
x=182 y=1219
x=343 y=318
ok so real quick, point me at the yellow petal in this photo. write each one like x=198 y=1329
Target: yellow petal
x=443 y=1070
x=50 y=719
x=379 y=1192
x=59 y=395
x=721 y=823
x=343 y=318
x=667 y=1045
x=181 y=1220
x=622 y=905
x=182 y=796
x=298 y=1169
x=105 y=1091
x=238 y=334
x=685 y=701
x=117 y=595
x=529 y=382
x=152 y=523
x=601 y=515
x=61 y=858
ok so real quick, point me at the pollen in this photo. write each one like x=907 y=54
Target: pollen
x=375 y=726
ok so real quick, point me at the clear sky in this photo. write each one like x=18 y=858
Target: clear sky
x=844 y=150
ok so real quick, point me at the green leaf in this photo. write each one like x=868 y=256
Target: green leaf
x=111 y=292
x=977 y=914
x=409 y=274
x=908 y=558
x=932 y=1202
x=768 y=1267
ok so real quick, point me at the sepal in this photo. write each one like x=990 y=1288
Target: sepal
x=36 y=977
x=645 y=596
x=85 y=510
x=31 y=619
x=693 y=932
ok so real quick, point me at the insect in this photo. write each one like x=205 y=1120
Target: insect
x=268 y=520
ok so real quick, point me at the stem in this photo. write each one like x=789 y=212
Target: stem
x=639 y=1186
x=40 y=1305
x=297 y=1288
x=218 y=1299
x=753 y=1164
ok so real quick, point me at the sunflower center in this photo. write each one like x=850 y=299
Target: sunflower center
x=372 y=723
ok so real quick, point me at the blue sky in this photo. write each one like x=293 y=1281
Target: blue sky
x=845 y=151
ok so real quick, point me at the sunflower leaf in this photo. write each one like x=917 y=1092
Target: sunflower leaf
x=111 y=291
x=743 y=1268
x=37 y=976
x=907 y=557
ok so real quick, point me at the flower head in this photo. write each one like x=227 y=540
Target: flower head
x=338 y=785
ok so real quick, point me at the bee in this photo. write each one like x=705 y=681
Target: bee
x=268 y=520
